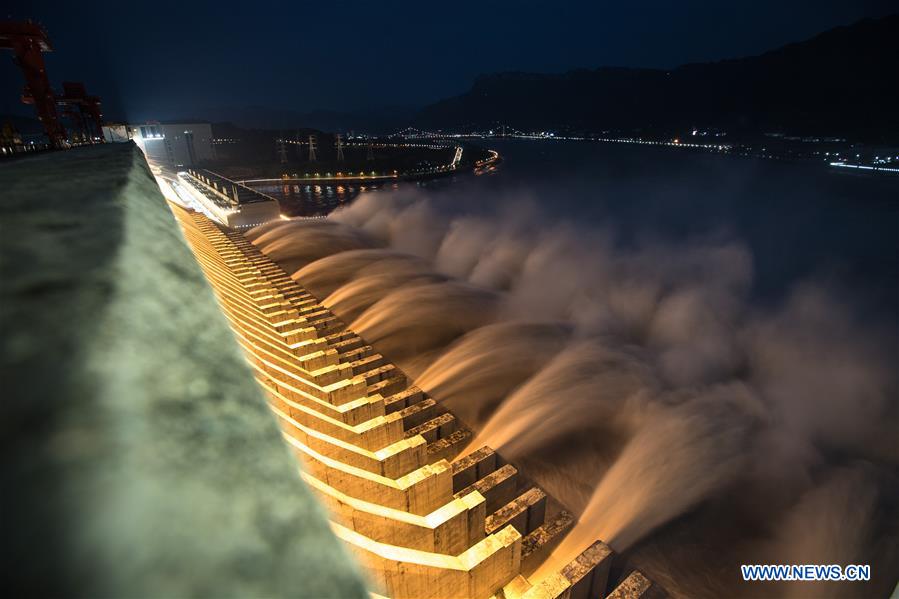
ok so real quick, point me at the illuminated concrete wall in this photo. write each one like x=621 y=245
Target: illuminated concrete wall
x=380 y=454
x=139 y=457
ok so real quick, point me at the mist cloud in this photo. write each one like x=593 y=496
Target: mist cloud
x=663 y=391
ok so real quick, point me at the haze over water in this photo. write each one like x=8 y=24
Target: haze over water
x=797 y=219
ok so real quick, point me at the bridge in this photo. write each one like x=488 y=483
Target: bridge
x=500 y=130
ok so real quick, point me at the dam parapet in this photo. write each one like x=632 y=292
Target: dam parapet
x=140 y=458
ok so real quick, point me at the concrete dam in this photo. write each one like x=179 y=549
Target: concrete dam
x=243 y=428
x=150 y=450
x=381 y=455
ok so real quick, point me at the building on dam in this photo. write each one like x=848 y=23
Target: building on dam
x=176 y=145
x=228 y=202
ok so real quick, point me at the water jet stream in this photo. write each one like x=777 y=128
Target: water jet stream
x=642 y=387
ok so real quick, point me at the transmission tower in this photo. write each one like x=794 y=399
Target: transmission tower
x=371 y=152
x=282 y=150
x=312 y=146
x=296 y=140
x=339 y=141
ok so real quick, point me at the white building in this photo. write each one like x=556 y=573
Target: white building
x=116 y=132
x=177 y=145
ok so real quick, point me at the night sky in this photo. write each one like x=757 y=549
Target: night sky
x=166 y=60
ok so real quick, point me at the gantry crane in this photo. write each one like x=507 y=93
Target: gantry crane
x=29 y=41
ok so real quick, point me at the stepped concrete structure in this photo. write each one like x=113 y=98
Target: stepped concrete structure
x=380 y=454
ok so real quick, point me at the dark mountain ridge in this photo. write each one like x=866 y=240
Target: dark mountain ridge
x=842 y=83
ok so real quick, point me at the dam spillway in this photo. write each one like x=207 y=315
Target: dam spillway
x=383 y=457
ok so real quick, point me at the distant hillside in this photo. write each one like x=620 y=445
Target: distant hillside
x=840 y=83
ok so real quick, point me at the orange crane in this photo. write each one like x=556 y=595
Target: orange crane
x=29 y=41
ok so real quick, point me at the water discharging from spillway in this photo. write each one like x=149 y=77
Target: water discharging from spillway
x=685 y=426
